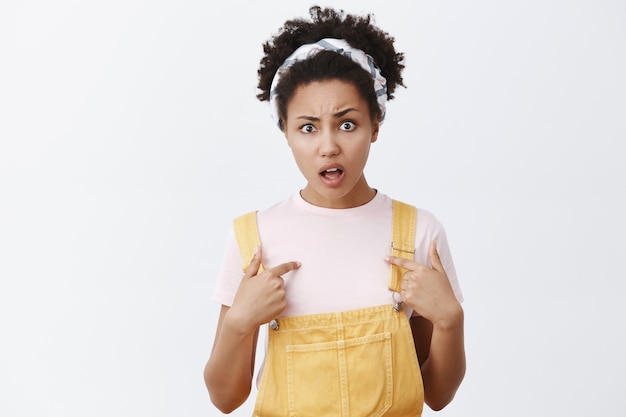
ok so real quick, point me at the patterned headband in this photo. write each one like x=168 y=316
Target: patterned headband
x=342 y=47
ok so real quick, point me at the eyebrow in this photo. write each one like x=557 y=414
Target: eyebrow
x=336 y=115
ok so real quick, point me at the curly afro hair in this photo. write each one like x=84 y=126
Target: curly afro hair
x=358 y=31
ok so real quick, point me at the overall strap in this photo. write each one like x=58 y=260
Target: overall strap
x=403 y=244
x=248 y=239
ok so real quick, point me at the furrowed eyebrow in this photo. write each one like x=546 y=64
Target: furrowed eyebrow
x=336 y=115
x=344 y=112
x=309 y=118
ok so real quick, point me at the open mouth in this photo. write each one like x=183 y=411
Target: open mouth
x=332 y=176
x=331 y=173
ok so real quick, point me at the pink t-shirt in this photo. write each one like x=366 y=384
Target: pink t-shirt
x=342 y=253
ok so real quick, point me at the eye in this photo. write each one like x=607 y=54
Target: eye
x=308 y=128
x=347 y=126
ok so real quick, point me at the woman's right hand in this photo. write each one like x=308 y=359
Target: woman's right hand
x=260 y=297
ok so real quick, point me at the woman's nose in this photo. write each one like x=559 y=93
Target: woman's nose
x=328 y=145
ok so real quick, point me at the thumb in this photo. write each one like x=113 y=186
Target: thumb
x=435 y=262
x=255 y=263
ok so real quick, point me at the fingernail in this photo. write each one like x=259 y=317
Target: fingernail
x=386 y=259
x=299 y=264
x=256 y=250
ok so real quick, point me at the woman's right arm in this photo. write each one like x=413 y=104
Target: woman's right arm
x=229 y=371
x=260 y=298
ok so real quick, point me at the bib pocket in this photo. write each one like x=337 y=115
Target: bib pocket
x=341 y=378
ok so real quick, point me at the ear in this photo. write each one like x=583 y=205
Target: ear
x=375 y=128
x=284 y=131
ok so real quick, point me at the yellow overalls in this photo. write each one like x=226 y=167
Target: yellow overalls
x=350 y=363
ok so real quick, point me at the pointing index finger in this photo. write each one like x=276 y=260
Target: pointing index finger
x=402 y=262
x=285 y=267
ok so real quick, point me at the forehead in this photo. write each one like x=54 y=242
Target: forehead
x=328 y=95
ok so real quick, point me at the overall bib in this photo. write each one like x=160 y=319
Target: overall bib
x=351 y=363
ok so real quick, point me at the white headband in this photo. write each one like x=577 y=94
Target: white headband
x=342 y=47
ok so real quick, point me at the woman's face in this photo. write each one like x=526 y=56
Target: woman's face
x=329 y=130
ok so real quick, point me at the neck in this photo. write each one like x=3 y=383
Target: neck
x=358 y=196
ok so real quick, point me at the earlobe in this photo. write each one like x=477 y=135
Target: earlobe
x=286 y=137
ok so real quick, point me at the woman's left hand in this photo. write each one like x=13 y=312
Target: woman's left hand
x=427 y=290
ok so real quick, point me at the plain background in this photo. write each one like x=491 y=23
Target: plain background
x=131 y=136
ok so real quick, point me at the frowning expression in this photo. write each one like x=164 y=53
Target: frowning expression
x=329 y=129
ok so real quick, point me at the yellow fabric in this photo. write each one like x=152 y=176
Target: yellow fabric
x=403 y=244
x=248 y=239
x=352 y=363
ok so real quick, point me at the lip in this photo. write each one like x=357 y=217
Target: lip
x=331 y=166
x=334 y=180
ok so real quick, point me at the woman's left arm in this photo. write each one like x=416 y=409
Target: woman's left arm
x=438 y=331
x=441 y=353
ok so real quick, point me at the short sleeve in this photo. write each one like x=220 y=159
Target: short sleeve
x=428 y=229
x=230 y=273
x=445 y=255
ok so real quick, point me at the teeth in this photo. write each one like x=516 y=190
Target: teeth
x=332 y=170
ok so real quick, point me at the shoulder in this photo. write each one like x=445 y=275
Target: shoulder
x=279 y=207
x=274 y=213
x=426 y=219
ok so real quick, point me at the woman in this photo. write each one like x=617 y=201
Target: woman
x=359 y=290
